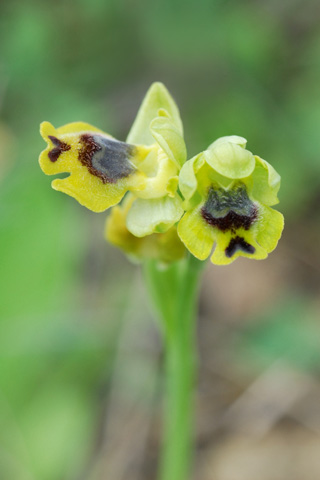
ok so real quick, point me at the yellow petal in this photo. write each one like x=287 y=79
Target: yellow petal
x=197 y=236
x=101 y=168
x=89 y=191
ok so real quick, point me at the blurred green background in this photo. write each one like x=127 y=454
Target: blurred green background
x=80 y=356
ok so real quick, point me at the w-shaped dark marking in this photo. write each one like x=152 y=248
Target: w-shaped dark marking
x=238 y=243
x=60 y=147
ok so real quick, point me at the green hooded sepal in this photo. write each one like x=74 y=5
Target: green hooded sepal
x=157 y=98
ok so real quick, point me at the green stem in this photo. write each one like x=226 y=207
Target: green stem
x=174 y=292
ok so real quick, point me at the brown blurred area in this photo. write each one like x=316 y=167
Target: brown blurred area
x=81 y=356
x=258 y=412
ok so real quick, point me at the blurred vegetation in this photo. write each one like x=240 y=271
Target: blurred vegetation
x=250 y=68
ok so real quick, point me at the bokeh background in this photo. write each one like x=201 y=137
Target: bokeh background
x=80 y=352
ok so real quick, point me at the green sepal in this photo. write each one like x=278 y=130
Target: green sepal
x=169 y=137
x=265 y=183
x=230 y=160
x=156 y=98
x=188 y=182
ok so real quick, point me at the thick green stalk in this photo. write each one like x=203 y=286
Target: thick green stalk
x=174 y=292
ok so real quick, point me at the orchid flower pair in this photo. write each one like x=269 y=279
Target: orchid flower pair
x=161 y=203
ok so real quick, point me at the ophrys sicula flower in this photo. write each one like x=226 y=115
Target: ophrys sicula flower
x=102 y=169
x=228 y=193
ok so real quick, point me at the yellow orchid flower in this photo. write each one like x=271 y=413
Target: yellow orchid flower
x=228 y=194
x=102 y=169
x=221 y=196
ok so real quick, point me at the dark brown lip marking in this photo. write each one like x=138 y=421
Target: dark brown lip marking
x=106 y=158
x=238 y=243
x=229 y=210
x=60 y=147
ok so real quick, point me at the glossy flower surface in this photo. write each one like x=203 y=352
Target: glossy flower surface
x=228 y=193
